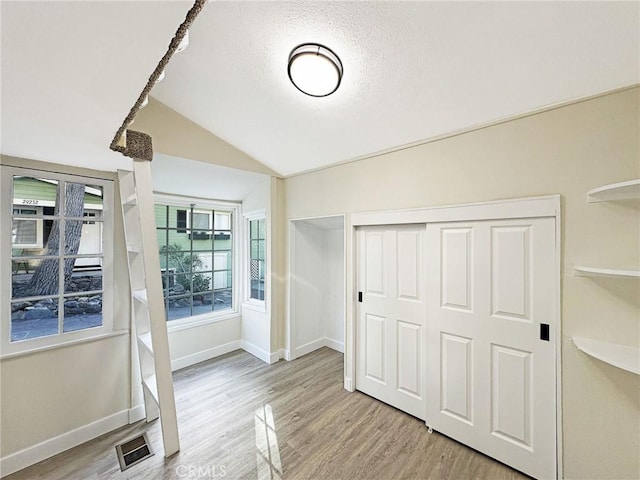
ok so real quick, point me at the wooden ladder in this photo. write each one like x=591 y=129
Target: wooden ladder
x=147 y=304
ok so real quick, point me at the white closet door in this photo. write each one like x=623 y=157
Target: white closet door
x=391 y=317
x=491 y=379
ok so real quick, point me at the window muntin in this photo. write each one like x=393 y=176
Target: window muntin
x=196 y=260
x=57 y=282
x=257 y=251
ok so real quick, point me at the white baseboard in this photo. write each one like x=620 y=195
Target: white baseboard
x=334 y=344
x=286 y=354
x=319 y=343
x=348 y=385
x=204 y=355
x=136 y=414
x=261 y=354
x=309 y=347
x=41 y=451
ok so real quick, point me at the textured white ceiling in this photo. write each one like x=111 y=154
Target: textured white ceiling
x=71 y=71
x=412 y=70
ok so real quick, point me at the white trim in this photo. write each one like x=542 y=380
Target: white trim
x=199 y=320
x=316 y=344
x=349 y=385
x=286 y=354
x=558 y=335
x=266 y=357
x=531 y=207
x=334 y=344
x=53 y=446
x=290 y=325
x=9 y=348
x=309 y=347
x=236 y=261
x=186 y=201
x=136 y=413
x=204 y=355
x=254 y=303
x=70 y=343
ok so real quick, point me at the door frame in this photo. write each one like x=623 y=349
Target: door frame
x=529 y=207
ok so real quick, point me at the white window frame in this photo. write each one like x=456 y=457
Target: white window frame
x=61 y=339
x=183 y=202
x=254 y=303
x=202 y=212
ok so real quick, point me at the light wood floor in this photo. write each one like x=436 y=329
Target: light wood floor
x=242 y=419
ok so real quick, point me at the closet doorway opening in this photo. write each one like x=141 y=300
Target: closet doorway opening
x=317 y=285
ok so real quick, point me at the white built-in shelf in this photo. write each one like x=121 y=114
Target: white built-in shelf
x=621 y=356
x=585 y=271
x=616 y=191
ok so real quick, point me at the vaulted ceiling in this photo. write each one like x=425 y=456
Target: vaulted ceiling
x=413 y=71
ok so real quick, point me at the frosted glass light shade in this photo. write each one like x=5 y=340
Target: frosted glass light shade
x=315 y=70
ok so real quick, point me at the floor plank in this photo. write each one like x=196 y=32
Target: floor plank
x=240 y=418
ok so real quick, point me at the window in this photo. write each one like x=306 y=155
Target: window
x=59 y=289
x=257 y=244
x=196 y=257
x=26 y=232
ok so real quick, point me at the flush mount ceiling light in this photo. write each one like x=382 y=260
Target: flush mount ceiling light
x=314 y=69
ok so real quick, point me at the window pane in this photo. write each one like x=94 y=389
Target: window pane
x=83 y=238
x=253 y=228
x=74 y=200
x=34 y=277
x=34 y=319
x=34 y=192
x=79 y=196
x=203 y=262
x=202 y=282
x=222 y=221
x=223 y=299
x=86 y=276
x=202 y=240
x=200 y=221
x=254 y=248
x=261 y=245
x=178 y=307
x=257 y=289
x=202 y=303
x=160 y=215
x=24 y=232
x=261 y=229
x=82 y=312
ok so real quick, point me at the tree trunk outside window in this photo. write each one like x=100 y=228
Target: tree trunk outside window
x=45 y=278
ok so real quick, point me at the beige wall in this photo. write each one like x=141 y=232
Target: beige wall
x=51 y=393
x=565 y=151
x=176 y=135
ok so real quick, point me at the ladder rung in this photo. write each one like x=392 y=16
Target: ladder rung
x=131 y=199
x=144 y=340
x=134 y=249
x=150 y=384
x=140 y=295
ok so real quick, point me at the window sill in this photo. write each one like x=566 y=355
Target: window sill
x=192 y=322
x=115 y=333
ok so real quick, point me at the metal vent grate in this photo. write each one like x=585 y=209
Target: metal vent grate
x=133 y=451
